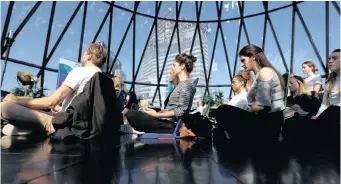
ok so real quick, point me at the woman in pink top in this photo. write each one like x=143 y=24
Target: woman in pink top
x=248 y=77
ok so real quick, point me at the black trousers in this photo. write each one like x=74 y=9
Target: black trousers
x=145 y=123
x=240 y=123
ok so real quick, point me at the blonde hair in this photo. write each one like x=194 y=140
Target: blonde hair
x=119 y=84
x=98 y=53
x=303 y=88
x=248 y=81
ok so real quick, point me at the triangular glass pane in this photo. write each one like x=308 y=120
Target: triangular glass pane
x=125 y=57
x=143 y=28
x=148 y=68
x=62 y=14
x=243 y=43
x=219 y=71
x=158 y=99
x=147 y=7
x=255 y=28
x=208 y=10
x=215 y=94
x=202 y=60
x=68 y=47
x=315 y=22
x=230 y=10
x=253 y=7
x=29 y=45
x=283 y=31
x=334 y=29
x=188 y=10
x=19 y=13
x=125 y=4
x=304 y=51
x=272 y=53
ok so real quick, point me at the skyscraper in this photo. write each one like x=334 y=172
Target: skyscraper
x=149 y=64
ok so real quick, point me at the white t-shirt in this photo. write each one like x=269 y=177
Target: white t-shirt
x=334 y=96
x=312 y=81
x=240 y=100
x=76 y=80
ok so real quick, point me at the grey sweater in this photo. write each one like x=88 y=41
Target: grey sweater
x=267 y=93
x=181 y=98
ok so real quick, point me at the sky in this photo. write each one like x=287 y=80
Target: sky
x=29 y=44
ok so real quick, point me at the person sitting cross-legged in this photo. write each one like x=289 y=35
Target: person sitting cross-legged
x=23 y=113
x=179 y=103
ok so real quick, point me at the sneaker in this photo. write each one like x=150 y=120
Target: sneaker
x=11 y=130
x=126 y=128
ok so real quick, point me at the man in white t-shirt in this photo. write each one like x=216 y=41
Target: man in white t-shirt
x=240 y=98
x=21 y=113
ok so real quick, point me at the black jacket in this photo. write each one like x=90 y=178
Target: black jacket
x=95 y=112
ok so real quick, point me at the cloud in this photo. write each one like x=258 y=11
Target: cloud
x=100 y=10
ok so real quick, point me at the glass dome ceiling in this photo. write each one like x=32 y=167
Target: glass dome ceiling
x=289 y=32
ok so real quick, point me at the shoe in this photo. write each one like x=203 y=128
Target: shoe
x=126 y=128
x=11 y=130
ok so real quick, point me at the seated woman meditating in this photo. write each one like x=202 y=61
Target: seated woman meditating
x=179 y=102
x=301 y=100
x=264 y=116
x=240 y=95
x=327 y=119
x=301 y=106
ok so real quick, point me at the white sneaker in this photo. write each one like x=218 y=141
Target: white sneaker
x=126 y=128
x=10 y=130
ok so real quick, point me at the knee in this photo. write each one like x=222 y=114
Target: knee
x=5 y=107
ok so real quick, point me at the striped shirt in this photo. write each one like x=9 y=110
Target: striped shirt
x=180 y=100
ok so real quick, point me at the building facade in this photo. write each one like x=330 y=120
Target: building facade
x=149 y=63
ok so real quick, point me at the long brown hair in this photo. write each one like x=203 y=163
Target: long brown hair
x=331 y=79
x=254 y=51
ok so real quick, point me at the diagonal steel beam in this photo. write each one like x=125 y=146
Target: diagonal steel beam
x=145 y=47
x=337 y=7
x=47 y=42
x=168 y=49
x=276 y=40
x=157 y=50
x=241 y=12
x=327 y=37
x=7 y=20
x=202 y=52
x=310 y=38
x=109 y=38
x=225 y=50
x=134 y=41
x=123 y=39
x=82 y=32
x=292 y=39
x=23 y=23
x=216 y=37
x=196 y=27
x=177 y=28
x=101 y=25
x=265 y=25
x=59 y=39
